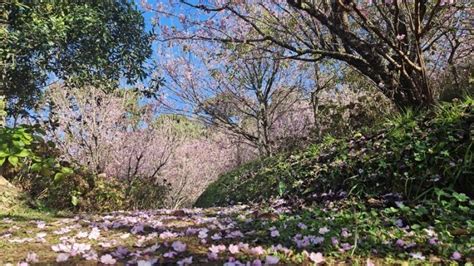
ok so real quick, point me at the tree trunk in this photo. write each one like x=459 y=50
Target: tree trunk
x=412 y=92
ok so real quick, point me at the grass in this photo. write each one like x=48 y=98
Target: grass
x=402 y=192
x=412 y=155
x=350 y=231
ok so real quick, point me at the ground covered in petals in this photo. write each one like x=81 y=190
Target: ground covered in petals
x=338 y=231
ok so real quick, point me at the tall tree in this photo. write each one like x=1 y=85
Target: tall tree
x=82 y=43
x=242 y=91
x=389 y=42
x=111 y=133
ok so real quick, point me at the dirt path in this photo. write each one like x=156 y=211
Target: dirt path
x=144 y=238
x=237 y=235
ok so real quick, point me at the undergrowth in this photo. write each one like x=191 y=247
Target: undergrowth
x=412 y=155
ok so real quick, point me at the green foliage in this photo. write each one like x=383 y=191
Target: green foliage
x=439 y=227
x=80 y=43
x=82 y=191
x=107 y=195
x=146 y=195
x=63 y=194
x=16 y=144
x=413 y=155
x=250 y=182
x=24 y=149
x=3 y=112
x=30 y=163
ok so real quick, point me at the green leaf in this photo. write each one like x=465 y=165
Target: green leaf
x=4 y=154
x=18 y=144
x=23 y=153
x=281 y=188
x=74 y=200
x=461 y=197
x=13 y=160
x=2 y=161
x=36 y=167
x=67 y=170
x=58 y=177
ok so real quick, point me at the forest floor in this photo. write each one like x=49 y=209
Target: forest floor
x=237 y=235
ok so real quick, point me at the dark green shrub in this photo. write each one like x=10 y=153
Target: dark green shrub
x=147 y=194
x=107 y=195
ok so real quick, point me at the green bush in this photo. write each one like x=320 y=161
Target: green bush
x=64 y=195
x=106 y=195
x=146 y=194
x=83 y=191
x=412 y=155
x=30 y=162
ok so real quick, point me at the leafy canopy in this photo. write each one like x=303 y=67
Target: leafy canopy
x=78 y=43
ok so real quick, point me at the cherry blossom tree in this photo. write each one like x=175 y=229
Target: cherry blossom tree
x=120 y=136
x=197 y=162
x=389 y=42
x=110 y=133
x=239 y=90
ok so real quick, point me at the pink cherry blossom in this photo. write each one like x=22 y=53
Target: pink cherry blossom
x=94 y=233
x=235 y=234
x=345 y=233
x=316 y=240
x=62 y=231
x=400 y=37
x=456 y=255
x=400 y=243
x=179 y=246
x=212 y=256
x=203 y=233
x=62 y=257
x=274 y=233
x=418 y=256
x=257 y=250
x=369 y=262
x=170 y=254
x=40 y=224
x=302 y=226
x=92 y=255
x=216 y=237
x=138 y=228
x=233 y=249
x=271 y=260
x=107 y=259
x=345 y=246
x=244 y=246
x=41 y=234
x=82 y=234
x=125 y=236
x=316 y=257
x=186 y=261
x=323 y=230
x=32 y=257
x=146 y=262
x=167 y=235
x=217 y=249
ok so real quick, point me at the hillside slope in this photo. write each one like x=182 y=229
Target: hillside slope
x=10 y=196
x=411 y=156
